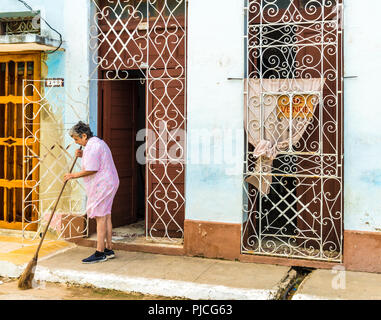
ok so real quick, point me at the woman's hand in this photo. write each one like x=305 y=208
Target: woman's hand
x=77 y=175
x=69 y=176
x=79 y=153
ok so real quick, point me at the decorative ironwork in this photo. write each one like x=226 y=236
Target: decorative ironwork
x=122 y=38
x=293 y=121
x=53 y=111
x=149 y=36
x=20 y=25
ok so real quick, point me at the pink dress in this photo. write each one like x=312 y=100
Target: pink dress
x=100 y=187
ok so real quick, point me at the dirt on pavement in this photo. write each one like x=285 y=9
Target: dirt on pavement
x=61 y=291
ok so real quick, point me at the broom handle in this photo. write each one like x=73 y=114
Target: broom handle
x=54 y=209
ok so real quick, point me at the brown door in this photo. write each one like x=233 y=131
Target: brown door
x=118 y=128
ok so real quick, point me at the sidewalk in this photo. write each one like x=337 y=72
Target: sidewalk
x=15 y=253
x=182 y=276
x=340 y=285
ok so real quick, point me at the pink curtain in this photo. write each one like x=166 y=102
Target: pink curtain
x=272 y=129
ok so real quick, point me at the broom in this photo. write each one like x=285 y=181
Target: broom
x=25 y=280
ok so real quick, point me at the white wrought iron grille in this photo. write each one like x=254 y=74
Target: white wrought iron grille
x=48 y=114
x=146 y=40
x=293 y=122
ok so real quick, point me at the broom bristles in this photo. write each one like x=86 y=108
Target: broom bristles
x=25 y=280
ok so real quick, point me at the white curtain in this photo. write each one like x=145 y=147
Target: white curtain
x=272 y=128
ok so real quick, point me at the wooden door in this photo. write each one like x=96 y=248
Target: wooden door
x=118 y=127
x=13 y=70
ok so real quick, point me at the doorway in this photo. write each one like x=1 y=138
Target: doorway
x=121 y=115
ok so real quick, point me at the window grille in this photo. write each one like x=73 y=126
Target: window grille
x=14 y=24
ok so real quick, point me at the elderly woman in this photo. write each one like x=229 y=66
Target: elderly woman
x=101 y=182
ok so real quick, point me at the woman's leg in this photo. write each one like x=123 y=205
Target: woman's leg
x=108 y=232
x=101 y=233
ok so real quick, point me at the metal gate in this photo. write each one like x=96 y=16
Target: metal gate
x=48 y=112
x=145 y=40
x=293 y=121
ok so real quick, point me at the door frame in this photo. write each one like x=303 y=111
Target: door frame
x=104 y=125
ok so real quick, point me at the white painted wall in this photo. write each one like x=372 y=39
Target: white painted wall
x=215 y=52
x=76 y=33
x=362 y=114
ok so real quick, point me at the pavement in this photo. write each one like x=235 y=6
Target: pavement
x=183 y=276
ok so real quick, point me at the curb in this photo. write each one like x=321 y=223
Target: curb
x=162 y=287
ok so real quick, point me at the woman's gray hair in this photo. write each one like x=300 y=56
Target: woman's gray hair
x=79 y=129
